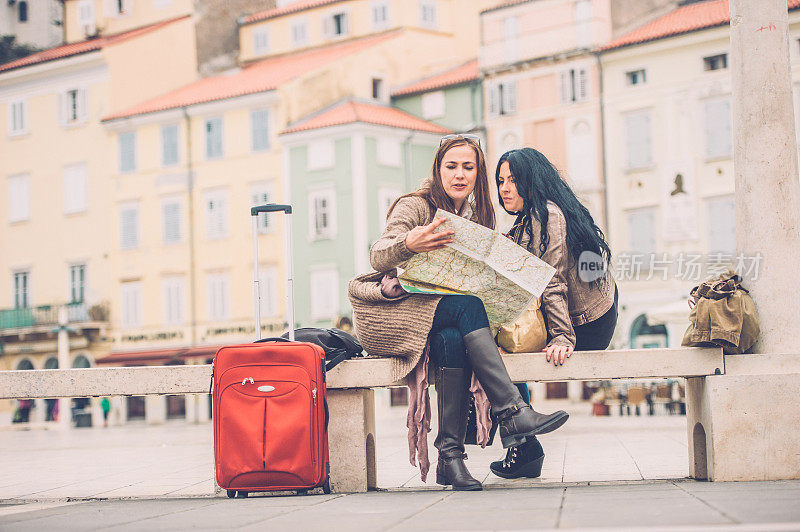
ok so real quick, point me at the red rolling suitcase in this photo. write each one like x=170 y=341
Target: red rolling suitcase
x=270 y=405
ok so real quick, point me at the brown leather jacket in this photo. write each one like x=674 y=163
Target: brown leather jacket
x=567 y=301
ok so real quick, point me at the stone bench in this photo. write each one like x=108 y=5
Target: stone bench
x=738 y=406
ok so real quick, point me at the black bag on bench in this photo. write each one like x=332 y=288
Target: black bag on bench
x=337 y=344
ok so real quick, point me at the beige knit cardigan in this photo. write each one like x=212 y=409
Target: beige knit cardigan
x=395 y=327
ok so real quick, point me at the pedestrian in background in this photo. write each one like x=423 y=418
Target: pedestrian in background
x=105 y=404
x=579 y=304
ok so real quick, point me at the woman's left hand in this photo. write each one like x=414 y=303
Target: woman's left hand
x=558 y=353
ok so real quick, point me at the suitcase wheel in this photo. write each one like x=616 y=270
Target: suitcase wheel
x=326 y=488
x=231 y=493
x=302 y=492
x=242 y=494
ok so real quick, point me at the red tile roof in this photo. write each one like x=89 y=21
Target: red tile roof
x=684 y=19
x=82 y=47
x=262 y=76
x=503 y=5
x=456 y=76
x=294 y=7
x=351 y=111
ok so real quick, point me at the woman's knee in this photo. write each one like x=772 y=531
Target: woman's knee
x=474 y=312
x=447 y=348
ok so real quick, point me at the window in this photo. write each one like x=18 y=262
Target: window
x=86 y=16
x=118 y=8
x=129 y=225
x=218 y=292
x=299 y=33
x=213 y=138
x=719 y=142
x=510 y=39
x=73 y=107
x=722 y=225
x=322 y=210
x=433 y=105
x=427 y=14
x=380 y=14
x=636 y=77
x=77 y=283
x=19 y=198
x=171 y=220
x=127 y=152
x=637 y=139
x=324 y=293
x=321 y=154
x=267 y=282
x=169 y=145
x=390 y=152
x=642 y=228
x=75 y=188
x=22 y=289
x=503 y=98
x=386 y=198
x=131 y=304
x=335 y=25
x=582 y=155
x=216 y=207
x=261 y=194
x=715 y=62
x=172 y=300
x=18 y=117
x=259 y=121
x=23 y=11
x=261 y=40
x=377 y=89
x=574 y=84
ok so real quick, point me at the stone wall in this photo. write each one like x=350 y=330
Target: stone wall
x=218 y=32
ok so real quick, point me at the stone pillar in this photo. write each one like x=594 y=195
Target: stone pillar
x=203 y=410
x=64 y=403
x=351 y=437
x=190 y=400
x=765 y=165
x=155 y=409
x=575 y=391
x=119 y=411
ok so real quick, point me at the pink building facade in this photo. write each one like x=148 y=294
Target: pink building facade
x=542 y=87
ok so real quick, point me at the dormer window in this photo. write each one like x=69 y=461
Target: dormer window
x=715 y=62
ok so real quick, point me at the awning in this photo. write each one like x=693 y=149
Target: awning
x=158 y=357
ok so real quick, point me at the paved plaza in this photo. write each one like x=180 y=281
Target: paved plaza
x=599 y=472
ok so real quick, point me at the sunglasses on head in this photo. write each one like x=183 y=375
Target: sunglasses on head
x=469 y=136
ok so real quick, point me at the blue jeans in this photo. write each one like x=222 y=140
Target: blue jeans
x=455 y=317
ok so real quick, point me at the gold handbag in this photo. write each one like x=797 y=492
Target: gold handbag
x=527 y=334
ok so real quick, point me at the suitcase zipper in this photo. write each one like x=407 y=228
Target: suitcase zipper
x=314 y=395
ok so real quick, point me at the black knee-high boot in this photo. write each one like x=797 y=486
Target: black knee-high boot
x=452 y=386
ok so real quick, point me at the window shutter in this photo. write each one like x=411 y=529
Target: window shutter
x=494 y=99
x=62 y=108
x=722 y=225
x=565 y=86
x=582 y=85
x=345 y=24
x=642 y=232
x=171 y=212
x=83 y=105
x=718 y=129
x=260 y=130
x=327 y=26
x=510 y=97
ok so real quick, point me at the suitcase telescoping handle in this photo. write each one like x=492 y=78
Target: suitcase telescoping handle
x=254 y=212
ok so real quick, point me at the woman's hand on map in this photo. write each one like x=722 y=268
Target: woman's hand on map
x=423 y=238
x=558 y=353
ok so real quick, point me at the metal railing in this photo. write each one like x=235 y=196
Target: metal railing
x=48 y=315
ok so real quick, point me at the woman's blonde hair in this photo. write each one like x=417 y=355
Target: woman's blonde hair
x=433 y=190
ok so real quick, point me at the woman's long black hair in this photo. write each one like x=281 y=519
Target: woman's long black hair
x=538 y=182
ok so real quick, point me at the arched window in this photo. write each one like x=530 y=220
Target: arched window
x=52 y=363
x=25 y=364
x=644 y=335
x=81 y=362
x=23 y=11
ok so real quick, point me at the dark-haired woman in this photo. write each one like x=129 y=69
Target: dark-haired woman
x=579 y=306
x=455 y=327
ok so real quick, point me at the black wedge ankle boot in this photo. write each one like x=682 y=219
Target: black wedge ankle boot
x=518 y=421
x=521 y=461
x=452 y=386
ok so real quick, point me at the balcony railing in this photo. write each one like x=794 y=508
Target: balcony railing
x=48 y=315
